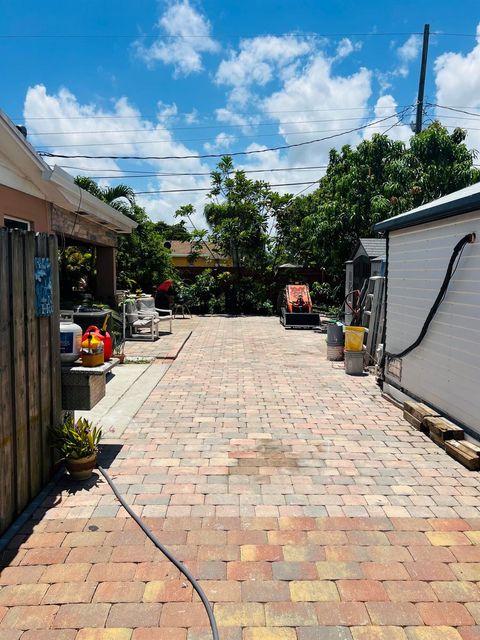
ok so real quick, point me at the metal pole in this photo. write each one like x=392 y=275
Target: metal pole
x=421 y=83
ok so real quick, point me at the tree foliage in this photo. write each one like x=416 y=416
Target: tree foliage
x=378 y=179
x=239 y=214
x=142 y=259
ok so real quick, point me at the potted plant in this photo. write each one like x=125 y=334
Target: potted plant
x=77 y=441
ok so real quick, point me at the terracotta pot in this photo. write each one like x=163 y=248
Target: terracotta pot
x=81 y=468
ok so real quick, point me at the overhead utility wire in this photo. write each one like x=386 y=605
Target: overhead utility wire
x=283 y=184
x=178 y=115
x=190 y=127
x=456 y=109
x=161 y=36
x=212 y=140
x=146 y=174
x=219 y=155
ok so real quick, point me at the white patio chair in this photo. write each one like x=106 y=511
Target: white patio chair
x=136 y=327
x=146 y=308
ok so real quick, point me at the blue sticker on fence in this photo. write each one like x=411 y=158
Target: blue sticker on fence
x=43 y=287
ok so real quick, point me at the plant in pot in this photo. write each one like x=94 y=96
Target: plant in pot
x=77 y=441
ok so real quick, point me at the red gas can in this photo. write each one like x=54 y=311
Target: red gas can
x=104 y=336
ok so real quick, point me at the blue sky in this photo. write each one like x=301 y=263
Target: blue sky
x=186 y=77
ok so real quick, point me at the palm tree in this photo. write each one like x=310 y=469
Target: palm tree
x=117 y=196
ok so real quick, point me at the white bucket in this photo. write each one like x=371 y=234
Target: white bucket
x=334 y=353
x=354 y=363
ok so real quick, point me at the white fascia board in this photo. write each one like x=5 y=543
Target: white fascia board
x=24 y=169
x=82 y=200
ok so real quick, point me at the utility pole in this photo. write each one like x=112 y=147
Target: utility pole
x=421 y=83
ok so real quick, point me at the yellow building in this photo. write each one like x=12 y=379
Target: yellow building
x=203 y=256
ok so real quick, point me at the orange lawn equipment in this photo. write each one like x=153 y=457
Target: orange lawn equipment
x=298 y=298
x=296 y=311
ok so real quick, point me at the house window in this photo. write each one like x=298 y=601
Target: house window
x=16 y=223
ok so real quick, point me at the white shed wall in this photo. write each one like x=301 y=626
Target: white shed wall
x=444 y=371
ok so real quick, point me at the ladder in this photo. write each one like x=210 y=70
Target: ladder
x=373 y=315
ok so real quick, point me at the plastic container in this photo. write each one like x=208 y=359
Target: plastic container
x=70 y=339
x=102 y=335
x=335 y=353
x=354 y=363
x=92 y=351
x=335 y=337
x=354 y=338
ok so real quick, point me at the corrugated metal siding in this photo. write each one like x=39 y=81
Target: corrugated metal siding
x=444 y=370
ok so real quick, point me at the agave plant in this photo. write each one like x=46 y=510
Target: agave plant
x=76 y=438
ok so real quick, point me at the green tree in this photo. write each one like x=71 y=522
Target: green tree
x=142 y=259
x=120 y=197
x=378 y=179
x=176 y=231
x=239 y=214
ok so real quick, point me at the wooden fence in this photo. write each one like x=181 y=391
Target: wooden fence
x=30 y=386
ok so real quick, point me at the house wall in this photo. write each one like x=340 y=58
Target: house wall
x=33 y=209
x=200 y=262
x=444 y=371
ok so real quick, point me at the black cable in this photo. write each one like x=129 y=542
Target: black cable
x=166 y=552
x=452 y=267
x=220 y=155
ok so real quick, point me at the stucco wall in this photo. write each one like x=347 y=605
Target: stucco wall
x=26 y=207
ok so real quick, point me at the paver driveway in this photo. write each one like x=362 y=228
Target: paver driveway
x=305 y=503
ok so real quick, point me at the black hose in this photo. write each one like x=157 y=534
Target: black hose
x=458 y=249
x=166 y=552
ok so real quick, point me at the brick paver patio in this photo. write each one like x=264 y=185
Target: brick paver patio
x=307 y=506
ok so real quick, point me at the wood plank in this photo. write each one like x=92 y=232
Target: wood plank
x=19 y=396
x=45 y=370
x=465 y=452
x=418 y=410
x=443 y=428
x=32 y=367
x=7 y=490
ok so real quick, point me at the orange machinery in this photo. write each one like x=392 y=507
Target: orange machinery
x=296 y=311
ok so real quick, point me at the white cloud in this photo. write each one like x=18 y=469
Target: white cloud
x=342 y=100
x=457 y=80
x=258 y=59
x=192 y=117
x=407 y=53
x=222 y=141
x=387 y=106
x=188 y=37
x=346 y=47
x=89 y=130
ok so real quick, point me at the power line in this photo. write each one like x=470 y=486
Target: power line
x=190 y=127
x=163 y=36
x=146 y=174
x=179 y=140
x=283 y=184
x=456 y=109
x=178 y=115
x=219 y=155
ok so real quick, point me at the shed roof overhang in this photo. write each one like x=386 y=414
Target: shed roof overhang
x=453 y=204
